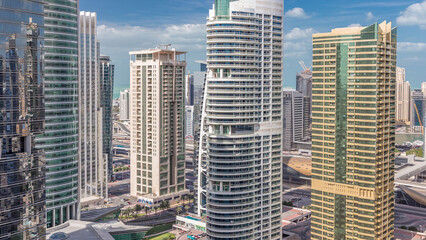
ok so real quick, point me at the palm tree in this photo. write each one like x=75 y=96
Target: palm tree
x=179 y=210
x=131 y=211
x=162 y=205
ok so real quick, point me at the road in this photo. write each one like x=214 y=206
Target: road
x=119 y=188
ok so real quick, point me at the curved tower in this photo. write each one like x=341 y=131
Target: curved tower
x=240 y=146
x=60 y=141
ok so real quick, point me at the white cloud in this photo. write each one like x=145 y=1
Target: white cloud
x=369 y=16
x=298 y=42
x=414 y=15
x=355 y=25
x=411 y=47
x=297 y=33
x=116 y=41
x=184 y=37
x=296 y=13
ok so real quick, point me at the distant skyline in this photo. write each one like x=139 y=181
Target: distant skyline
x=144 y=24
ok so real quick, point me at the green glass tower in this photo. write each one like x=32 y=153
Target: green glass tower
x=60 y=140
x=107 y=86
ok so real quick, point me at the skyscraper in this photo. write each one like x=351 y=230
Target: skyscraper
x=189 y=122
x=189 y=80
x=107 y=86
x=293 y=121
x=157 y=139
x=22 y=166
x=199 y=81
x=60 y=140
x=240 y=165
x=417 y=110
x=402 y=96
x=93 y=166
x=304 y=86
x=353 y=133
x=124 y=105
x=304 y=83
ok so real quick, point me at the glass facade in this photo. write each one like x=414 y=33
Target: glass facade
x=22 y=166
x=60 y=140
x=353 y=132
x=107 y=85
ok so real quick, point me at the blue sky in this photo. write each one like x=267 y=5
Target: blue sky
x=129 y=25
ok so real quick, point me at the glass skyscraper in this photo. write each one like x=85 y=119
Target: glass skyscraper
x=107 y=86
x=353 y=133
x=240 y=163
x=22 y=166
x=60 y=141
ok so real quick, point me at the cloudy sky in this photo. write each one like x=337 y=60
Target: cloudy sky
x=129 y=25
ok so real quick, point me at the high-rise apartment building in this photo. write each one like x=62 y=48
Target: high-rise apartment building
x=402 y=96
x=60 y=140
x=239 y=186
x=22 y=166
x=157 y=139
x=107 y=86
x=93 y=168
x=124 y=105
x=293 y=121
x=353 y=133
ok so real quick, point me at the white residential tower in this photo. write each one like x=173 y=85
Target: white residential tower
x=240 y=167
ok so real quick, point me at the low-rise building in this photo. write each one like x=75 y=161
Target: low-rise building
x=190 y=221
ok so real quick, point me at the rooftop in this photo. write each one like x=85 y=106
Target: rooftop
x=78 y=230
x=410 y=169
x=158 y=50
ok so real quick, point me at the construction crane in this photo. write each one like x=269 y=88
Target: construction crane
x=305 y=69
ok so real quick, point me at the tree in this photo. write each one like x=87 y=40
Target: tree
x=179 y=210
x=403 y=227
x=166 y=204
x=130 y=210
x=146 y=210
x=138 y=208
x=186 y=208
x=412 y=228
x=162 y=205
